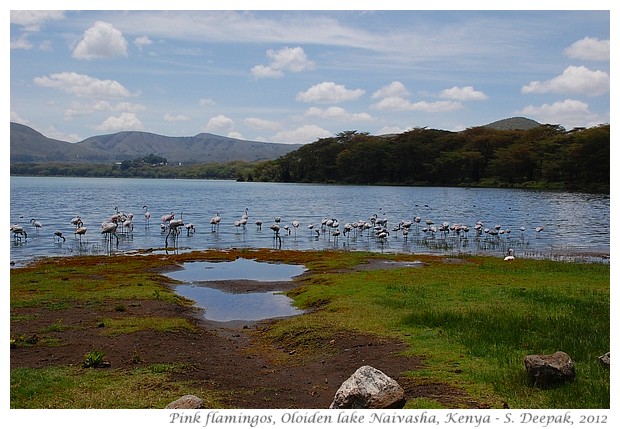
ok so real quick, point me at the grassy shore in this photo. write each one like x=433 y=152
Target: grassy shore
x=473 y=320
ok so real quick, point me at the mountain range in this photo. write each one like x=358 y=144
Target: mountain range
x=29 y=145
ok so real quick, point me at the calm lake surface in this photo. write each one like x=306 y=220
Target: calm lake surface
x=576 y=226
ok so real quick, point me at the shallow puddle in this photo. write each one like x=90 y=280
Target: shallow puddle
x=239 y=269
x=222 y=306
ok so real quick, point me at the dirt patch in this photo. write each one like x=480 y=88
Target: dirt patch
x=233 y=359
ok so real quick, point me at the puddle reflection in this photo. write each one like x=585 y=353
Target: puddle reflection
x=222 y=306
x=239 y=269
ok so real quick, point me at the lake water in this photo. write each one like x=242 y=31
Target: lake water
x=574 y=223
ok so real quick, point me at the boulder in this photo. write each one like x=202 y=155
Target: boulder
x=549 y=370
x=369 y=388
x=187 y=402
x=605 y=361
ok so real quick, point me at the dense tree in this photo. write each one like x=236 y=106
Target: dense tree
x=546 y=157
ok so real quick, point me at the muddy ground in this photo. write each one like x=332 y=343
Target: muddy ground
x=233 y=359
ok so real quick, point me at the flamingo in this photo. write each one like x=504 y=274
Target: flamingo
x=191 y=229
x=215 y=222
x=18 y=231
x=80 y=230
x=147 y=216
x=336 y=234
x=509 y=255
x=276 y=233
x=58 y=234
x=109 y=229
x=295 y=224
x=36 y=224
x=259 y=225
x=175 y=224
x=167 y=218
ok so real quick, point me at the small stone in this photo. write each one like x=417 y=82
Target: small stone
x=187 y=402
x=549 y=370
x=369 y=388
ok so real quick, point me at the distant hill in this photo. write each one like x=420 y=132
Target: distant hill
x=516 y=123
x=28 y=145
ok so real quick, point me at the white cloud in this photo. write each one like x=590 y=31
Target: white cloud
x=285 y=59
x=568 y=113
x=142 y=41
x=261 y=71
x=391 y=130
x=16 y=118
x=219 y=123
x=589 y=48
x=303 y=134
x=21 y=42
x=329 y=92
x=261 y=124
x=465 y=93
x=401 y=104
x=125 y=122
x=337 y=113
x=175 y=118
x=235 y=135
x=32 y=20
x=394 y=89
x=82 y=85
x=206 y=102
x=100 y=41
x=84 y=109
x=574 y=80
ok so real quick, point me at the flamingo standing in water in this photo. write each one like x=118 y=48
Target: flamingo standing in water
x=215 y=222
x=18 y=231
x=80 y=230
x=147 y=216
x=167 y=218
x=36 y=224
x=109 y=229
x=58 y=233
x=295 y=224
x=175 y=225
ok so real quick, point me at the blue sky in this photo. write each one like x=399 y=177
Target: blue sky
x=295 y=76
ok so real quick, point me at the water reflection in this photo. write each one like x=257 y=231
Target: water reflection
x=239 y=269
x=223 y=306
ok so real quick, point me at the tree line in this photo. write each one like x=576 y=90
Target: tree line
x=547 y=156
x=236 y=170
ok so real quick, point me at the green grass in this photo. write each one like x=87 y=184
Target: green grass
x=127 y=325
x=484 y=317
x=473 y=322
x=84 y=388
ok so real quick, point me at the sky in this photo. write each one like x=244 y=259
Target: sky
x=294 y=76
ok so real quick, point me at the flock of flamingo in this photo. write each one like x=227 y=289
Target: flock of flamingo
x=375 y=226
